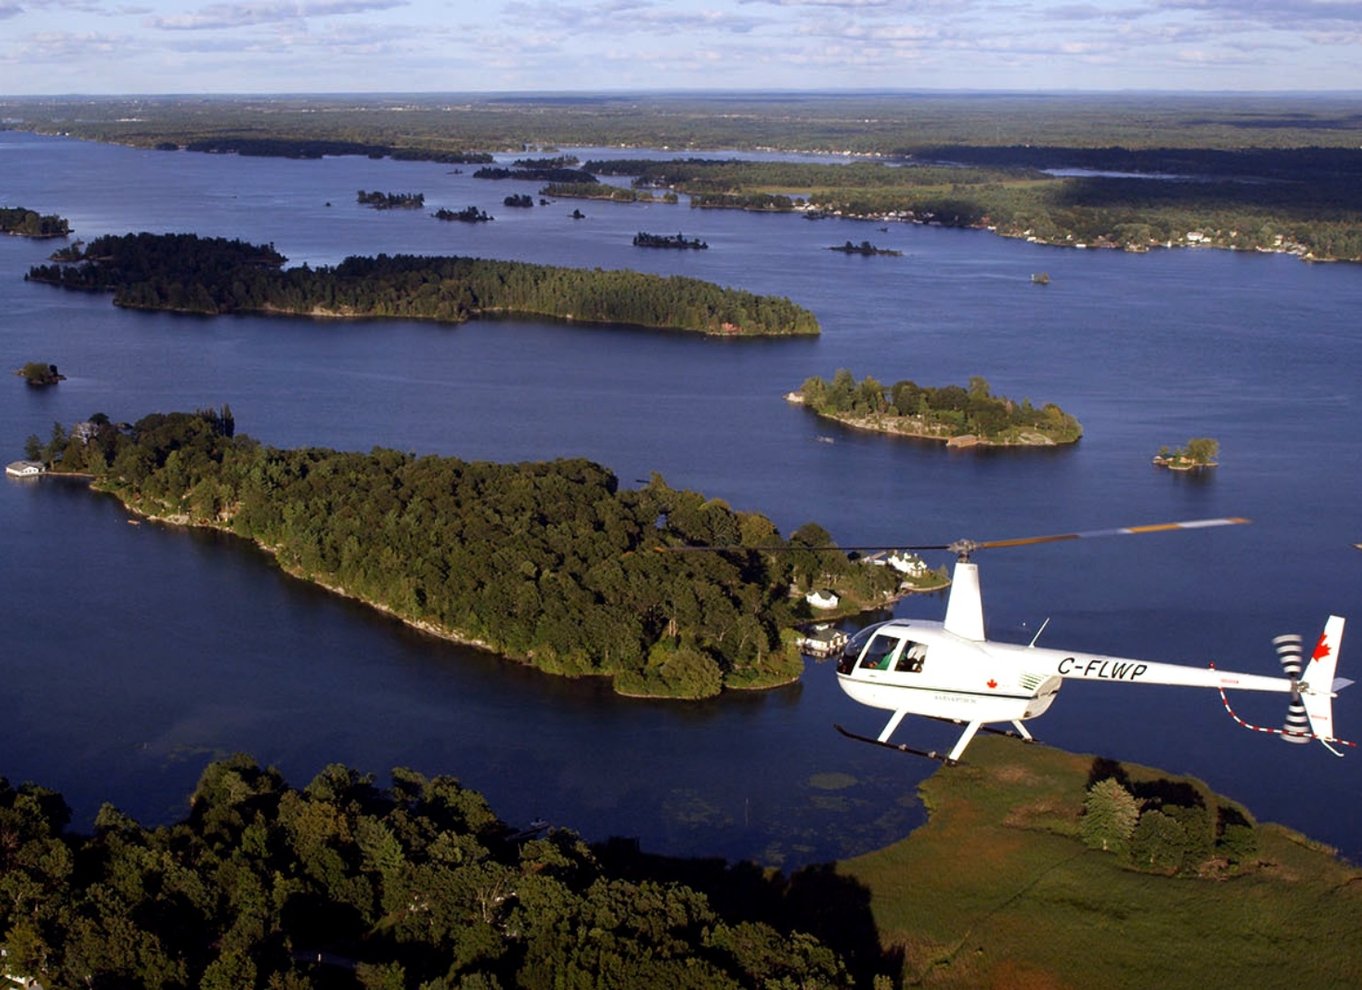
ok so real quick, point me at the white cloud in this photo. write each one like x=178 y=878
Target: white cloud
x=230 y=15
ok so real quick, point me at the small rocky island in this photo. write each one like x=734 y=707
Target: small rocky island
x=1199 y=454
x=469 y=214
x=644 y=239
x=959 y=417
x=39 y=374
x=391 y=201
x=865 y=248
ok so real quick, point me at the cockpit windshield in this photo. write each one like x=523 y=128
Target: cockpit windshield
x=886 y=651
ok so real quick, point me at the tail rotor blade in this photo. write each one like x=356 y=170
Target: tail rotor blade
x=1289 y=653
x=1297 y=726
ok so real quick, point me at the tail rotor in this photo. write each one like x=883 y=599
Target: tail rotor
x=1297 y=726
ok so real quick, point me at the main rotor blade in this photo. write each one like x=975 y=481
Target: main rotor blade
x=789 y=548
x=967 y=547
x=1117 y=531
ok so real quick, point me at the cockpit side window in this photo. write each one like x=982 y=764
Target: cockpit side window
x=879 y=654
x=912 y=657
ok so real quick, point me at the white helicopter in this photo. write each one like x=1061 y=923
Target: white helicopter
x=950 y=671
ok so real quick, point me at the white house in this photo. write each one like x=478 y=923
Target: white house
x=908 y=563
x=24 y=469
x=825 y=598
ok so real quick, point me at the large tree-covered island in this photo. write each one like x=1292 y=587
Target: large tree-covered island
x=552 y=564
x=188 y=273
x=960 y=417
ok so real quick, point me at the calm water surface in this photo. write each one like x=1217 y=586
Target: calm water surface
x=136 y=653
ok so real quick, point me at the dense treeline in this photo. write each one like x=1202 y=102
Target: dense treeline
x=27 y=223
x=730 y=175
x=1312 y=164
x=287 y=147
x=950 y=411
x=188 y=273
x=860 y=123
x=346 y=884
x=548 y=563
x=1166 y=826
x=558 y=161
x=753 y=202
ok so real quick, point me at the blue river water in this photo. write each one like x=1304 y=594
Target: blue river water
x=134 y=654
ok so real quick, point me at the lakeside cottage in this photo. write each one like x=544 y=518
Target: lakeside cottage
x=24 y=469
x=825 y=598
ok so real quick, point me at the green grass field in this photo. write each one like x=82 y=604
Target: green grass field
x=997 y=890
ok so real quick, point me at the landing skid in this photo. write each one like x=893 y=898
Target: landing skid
x=950 y=759
x=931 y=754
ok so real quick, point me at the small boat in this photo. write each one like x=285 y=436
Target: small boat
x=1041 y=278
x=825 y=439
x=134 y=522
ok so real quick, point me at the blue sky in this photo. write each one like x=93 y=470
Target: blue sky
x=252 y=46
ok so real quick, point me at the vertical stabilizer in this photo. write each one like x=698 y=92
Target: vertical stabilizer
x=965 y=607
x=1319 y=679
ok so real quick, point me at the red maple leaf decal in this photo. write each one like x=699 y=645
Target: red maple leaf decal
x=1321 y=648
x=992 y=683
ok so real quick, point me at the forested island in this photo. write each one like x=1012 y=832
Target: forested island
x=519 y=201
x=958 y=416
x=350 y=885
x=551 y=564
x=865 y=248
x=469 y=214
x=575 y=176
x=1200 y=452
x=19 y=222
x=644 y=239
x=601 y=190
x=189 y=273
x=39 y=374
x=391 y=201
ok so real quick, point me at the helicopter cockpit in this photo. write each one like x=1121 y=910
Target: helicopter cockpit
x=882 y=650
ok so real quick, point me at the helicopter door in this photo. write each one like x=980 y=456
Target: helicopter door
x=911 y=659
